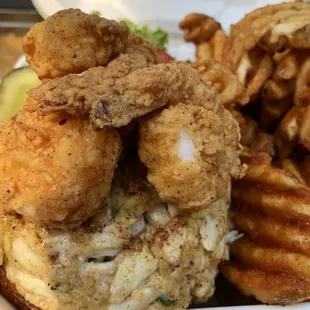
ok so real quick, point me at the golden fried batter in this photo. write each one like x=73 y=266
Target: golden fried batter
x=115 y=101
x=71 y=41
x=76 y=93
x=55 y=170
x=191 y=153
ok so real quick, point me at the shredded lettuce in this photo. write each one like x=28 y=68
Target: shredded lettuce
x=159 y=36
x=95 y=12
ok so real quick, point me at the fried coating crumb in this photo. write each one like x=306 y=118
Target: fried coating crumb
x=115 y=101
x=76 y=93
x=191 y=153
x=71 y=41
x=55 y=170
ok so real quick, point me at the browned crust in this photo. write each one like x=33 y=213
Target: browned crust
x=270 y=288
x=8 y=291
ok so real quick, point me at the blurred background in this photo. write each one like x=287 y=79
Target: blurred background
x=16 y=17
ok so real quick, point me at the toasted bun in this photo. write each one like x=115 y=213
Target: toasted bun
x=8 y=291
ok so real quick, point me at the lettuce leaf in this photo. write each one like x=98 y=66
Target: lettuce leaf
x=159 y=36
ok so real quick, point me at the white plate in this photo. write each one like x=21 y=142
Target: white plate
x=166 y=14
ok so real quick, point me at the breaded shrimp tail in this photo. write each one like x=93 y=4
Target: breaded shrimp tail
x=191 y=153
x=115 y=101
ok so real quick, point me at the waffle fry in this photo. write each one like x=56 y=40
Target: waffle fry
x=271 y=206
x=273 y=27
x=207 y=34
x=302 y=94
x=263 y=142
x=305 y=169
x=304 y=129
x=277 y=99
x=248 y=127
x=204 y=52
x=212 y=49
x=292 y=170
x=265 y=286
x=253 y=70
x=199 y=27
x=229 y=88
x=287 y=134
x=262 y=68
x=287 y=68
x=267 y=52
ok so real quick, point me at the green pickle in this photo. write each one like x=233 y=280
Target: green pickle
x=13 y=91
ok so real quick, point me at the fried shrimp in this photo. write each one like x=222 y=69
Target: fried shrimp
x=112 y=100
x=191 y=153
x=71 y=41
x=55 y=170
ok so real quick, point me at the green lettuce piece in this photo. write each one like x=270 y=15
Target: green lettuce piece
x=95 y=12
x=159 y=36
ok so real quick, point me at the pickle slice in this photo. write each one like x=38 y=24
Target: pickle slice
x=13 y=91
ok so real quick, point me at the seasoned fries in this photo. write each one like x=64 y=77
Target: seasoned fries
x=199 y=27
x=267 y=204
x=262 y=73
x=226 y=83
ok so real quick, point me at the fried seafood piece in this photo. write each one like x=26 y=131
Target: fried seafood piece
x=139 y=45
x=226 y=83
x=118 y=260
x=55 y=170
x=271 y=207
x=115 y=101
x=191 y=153
x=71 y=41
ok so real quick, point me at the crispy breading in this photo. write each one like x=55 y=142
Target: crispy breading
x=139 y=45
x=191 y=153
x=76 y=93
x=114 y=101
x=55 y=170
x=71 y=41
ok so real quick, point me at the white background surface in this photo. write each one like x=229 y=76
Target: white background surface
x=166 y=14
